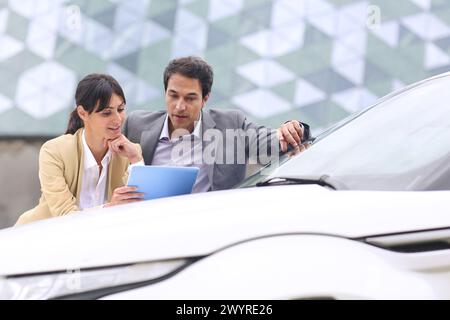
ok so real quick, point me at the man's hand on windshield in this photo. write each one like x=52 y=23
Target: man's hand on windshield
x=291 y=133
x=302 y=147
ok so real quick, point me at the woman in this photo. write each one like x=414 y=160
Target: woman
x=80 y=169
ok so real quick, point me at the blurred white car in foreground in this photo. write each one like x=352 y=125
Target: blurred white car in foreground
x=364 y=213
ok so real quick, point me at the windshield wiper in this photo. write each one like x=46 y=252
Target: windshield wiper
x=282 y=181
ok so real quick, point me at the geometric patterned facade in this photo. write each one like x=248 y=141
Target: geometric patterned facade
x=314 y=60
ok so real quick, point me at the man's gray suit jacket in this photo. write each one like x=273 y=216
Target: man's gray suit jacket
x=144 y=127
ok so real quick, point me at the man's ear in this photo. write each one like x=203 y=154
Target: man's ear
x=83 y=114
x=205 y=99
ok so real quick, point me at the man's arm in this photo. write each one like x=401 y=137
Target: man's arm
x=267 y=142
x=131 y=128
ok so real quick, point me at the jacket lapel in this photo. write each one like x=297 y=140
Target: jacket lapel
x=111 y=183
x=116 y=169
x=208 y=123
x=149 y=139
x=80 y=154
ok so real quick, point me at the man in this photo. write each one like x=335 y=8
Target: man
x=210 y=135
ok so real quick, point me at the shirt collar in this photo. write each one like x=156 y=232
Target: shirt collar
x=198 y=127
x=89 y=160
x=165 y=130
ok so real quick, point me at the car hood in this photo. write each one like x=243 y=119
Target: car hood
x=199 y=224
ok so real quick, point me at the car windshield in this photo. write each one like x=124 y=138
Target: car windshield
x=402 y=143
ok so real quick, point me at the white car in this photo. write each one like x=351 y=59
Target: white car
x=364 y=213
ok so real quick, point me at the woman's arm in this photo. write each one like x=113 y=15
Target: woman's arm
x=139 y=163
x=127 y=194
x=54 y=186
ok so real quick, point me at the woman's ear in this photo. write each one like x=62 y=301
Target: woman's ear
x=83 y=114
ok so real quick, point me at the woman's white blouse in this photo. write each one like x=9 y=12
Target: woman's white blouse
x=93 y=183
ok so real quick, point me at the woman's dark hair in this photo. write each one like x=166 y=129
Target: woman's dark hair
x=92 y=90
x=191 y=67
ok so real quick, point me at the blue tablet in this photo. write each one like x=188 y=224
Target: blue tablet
x=161 y=181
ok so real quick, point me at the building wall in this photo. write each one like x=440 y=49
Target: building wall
x=19 y=188
x=315 y=60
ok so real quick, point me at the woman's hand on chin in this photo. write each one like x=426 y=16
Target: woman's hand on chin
x=125 y=148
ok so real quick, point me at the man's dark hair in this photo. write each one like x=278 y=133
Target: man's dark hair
x=191 y=67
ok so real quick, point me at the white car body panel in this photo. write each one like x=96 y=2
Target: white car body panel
x=303 y=266
x=198 y=225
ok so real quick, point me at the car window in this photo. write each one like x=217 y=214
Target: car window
x=403 y=143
